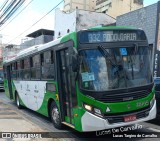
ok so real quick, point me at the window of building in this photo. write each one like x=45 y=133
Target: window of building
x=138 y=2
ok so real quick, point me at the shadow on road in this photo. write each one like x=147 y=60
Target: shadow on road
x=155 y=121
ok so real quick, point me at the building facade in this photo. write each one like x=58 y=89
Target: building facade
x=115 y=8
x=10 y=51
x=148 y=19
x=40 y=36
x=78 y=20
x=71 y=5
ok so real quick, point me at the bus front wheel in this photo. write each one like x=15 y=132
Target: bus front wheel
x=18 y=101
x=55 y=116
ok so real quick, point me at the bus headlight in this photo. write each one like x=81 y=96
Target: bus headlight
x=88 y=107
x=93 y=110
x=152 y=101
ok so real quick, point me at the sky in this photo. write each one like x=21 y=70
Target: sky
x=24 y=21
x=149 y=2
x=22 y=25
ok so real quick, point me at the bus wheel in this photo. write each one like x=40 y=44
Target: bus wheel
x=18 y=101
x=55 y=116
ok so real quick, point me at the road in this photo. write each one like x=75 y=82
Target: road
x=33 y=122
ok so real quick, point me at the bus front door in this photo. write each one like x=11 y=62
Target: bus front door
x=66 y=86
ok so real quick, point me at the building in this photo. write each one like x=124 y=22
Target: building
x=79 y=20
x=71 y=5
x=10 y=51
x=115 y=8
x=148 y=19
x=40 y=36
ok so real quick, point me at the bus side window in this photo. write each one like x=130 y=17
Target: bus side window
x=52 y=57
x=35 y=67
x=42 y=59
x=18 y=69
x=14 y=70
x=48 y=65
x=21 y=69
x=26 y=71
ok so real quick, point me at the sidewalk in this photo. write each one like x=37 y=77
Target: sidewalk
x=11 y=121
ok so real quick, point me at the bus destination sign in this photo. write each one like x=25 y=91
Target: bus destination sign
x=111 y=36
x=97 y=37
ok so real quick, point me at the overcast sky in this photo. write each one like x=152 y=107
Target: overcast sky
x=24 y=21
x=12 y=33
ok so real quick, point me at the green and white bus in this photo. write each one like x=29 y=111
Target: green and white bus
x=90 y=80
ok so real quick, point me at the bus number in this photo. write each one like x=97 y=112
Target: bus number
x=94 y=38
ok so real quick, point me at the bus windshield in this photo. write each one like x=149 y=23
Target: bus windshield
x=122 y=68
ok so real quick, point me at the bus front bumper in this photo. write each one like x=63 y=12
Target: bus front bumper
x=91 y=122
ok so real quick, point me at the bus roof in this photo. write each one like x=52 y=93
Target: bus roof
x=37 y=48
x=112 y=27
x=33 y=49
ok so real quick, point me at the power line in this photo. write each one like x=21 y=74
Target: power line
x=37 y=21
x=9 y=10
x=17 y=14
x=3 y=5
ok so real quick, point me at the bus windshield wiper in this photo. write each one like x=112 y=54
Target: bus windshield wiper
x=106 y=54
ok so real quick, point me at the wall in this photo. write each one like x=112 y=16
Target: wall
x=115 y=8
x=147 y=19
x=36 y=41
x=144 y=18
x=71 y=5
x=78 y=20
x=63 y=22
x=122 y=7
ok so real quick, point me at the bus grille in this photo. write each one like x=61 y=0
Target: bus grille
x=120 y=118
x=108 y=98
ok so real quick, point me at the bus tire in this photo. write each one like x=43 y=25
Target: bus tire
x=55 y=116
x=18 y=102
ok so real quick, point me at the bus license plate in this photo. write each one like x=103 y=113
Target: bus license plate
x=130 y=118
